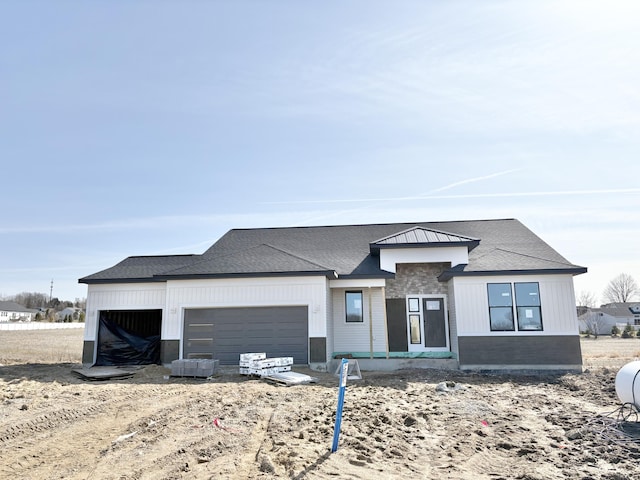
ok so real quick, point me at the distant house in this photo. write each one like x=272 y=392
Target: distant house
x=473 y=295
x=14 y=312
x=69 y=312
x=603 y=319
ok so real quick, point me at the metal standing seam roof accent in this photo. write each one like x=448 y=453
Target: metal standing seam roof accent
x=423 y=237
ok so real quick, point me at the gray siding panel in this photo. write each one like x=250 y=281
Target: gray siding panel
x=225 y=333
x=397 y=325
x=318 y=349
x=503 y=351
x=169 y=351
x=87 y=352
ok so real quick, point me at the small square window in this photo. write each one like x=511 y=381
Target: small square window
x=414 y=305
x=353 y=303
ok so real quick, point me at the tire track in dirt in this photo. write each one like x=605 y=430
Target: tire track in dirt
x=91 y=429
x=253 y=460
x=48 y=421
x=183 y=440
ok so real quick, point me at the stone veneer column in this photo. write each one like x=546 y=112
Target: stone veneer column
x=417 y=279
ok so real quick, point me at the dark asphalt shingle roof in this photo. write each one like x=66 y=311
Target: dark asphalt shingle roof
x=504 y=245
x=258 y=259
x=140 y=268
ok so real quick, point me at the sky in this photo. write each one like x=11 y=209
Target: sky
x=154 y=127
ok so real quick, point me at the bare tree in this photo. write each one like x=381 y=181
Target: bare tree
x=31 y=299
x=595 y=323
x=585 y=301
x=621 y=289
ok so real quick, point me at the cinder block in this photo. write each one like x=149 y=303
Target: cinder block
x=177 y=368
x=206 y=368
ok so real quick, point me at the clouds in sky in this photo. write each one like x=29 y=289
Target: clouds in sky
x=139 y=127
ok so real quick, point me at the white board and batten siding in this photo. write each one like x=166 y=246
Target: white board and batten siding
x=130 y=296
x=389 y=258
x=356 y=337
x=557 y=299
x=246 y=292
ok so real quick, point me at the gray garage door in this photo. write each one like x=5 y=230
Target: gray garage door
x=225 y=333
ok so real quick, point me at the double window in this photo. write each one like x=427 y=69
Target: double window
x=353 y=302
x=525 y=309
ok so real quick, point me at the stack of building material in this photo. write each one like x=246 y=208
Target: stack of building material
x=258 y=364
x=194 y=367
x=290 y=378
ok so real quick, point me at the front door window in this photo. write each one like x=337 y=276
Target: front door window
x=415 y=332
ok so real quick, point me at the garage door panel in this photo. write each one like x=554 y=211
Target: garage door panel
x=277 y=331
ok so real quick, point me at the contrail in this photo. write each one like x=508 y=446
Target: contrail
x=476 y=179
x=390 y=199
x=430 y=196
x=381 y=201
x=536 y=194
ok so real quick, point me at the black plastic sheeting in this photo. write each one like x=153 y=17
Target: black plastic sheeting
x=117 y=346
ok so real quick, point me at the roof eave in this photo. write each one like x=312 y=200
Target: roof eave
x=449 y=274
x=200 y=276
x=97 y=281
x=375 y=248
x=382 y=274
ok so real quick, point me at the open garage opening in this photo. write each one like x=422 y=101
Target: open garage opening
x=129 y=337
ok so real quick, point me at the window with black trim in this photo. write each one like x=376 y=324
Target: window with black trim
x=528 y=306
x=500 y=307
x=353 y=307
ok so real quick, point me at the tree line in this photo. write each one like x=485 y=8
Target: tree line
x=621 y=289
x=41 y=300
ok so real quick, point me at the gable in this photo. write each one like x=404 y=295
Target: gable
x=421 y=237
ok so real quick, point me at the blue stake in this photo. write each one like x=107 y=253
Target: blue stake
x=344 y=369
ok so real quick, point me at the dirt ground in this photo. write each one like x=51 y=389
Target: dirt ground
x=54 y=424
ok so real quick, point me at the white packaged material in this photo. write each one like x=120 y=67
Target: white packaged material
x=258 y=364
x=247 y=357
